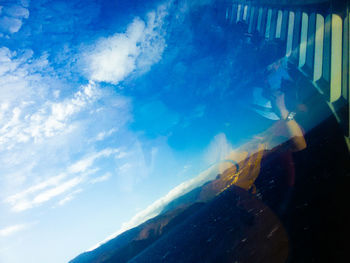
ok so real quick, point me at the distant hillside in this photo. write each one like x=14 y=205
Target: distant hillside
x=211 y=212
x=130 y=243
x=222 y=230
x=233 y=227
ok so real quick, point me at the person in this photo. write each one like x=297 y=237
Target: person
x=285 y=135
x=274 y=145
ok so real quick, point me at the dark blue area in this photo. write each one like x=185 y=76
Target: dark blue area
x=198 y=68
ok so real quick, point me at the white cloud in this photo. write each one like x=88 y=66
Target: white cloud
x=55 y=186
x=101 y=179
x=65 y=200
x=23 y=77
x=53 y=117
x=121 y=155
x=69 y=197
x=41 y=133
x=55 y=180
x=114 y=58
x=102 y=135
x=29 y=202
x=58 y=190
x=17 y=11
x=86 y=162
x=11 y=17
x=10 y=24
x=49 y=120
x=10 y=230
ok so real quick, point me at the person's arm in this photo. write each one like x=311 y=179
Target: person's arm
x=294 y=131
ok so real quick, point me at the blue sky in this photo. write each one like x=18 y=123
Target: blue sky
x=105 y=107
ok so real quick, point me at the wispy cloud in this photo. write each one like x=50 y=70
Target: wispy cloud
x=102 y=135
x=11 y=17
x=69 y=197
x=47 y=121
x=56 y=186
x=101 y=179
x=55 y=180
x=58 y=190
x=21 y=74
x=83 y=164
x=113 y=58
x=11 y=230
x=39 y=197
x=45 y=125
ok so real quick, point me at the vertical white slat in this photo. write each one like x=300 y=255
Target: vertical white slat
x=239 y=12
x=251 y=19
x=279 y=24
x=245 y=13
x=319 y=47
x=259 y=19
x=268 y=23
x=336 y=57
x=303 y=39
x=290 y=34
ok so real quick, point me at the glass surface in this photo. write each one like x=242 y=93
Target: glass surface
x=174 y=131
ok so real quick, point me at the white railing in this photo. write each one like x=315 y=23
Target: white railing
x=317 y=43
